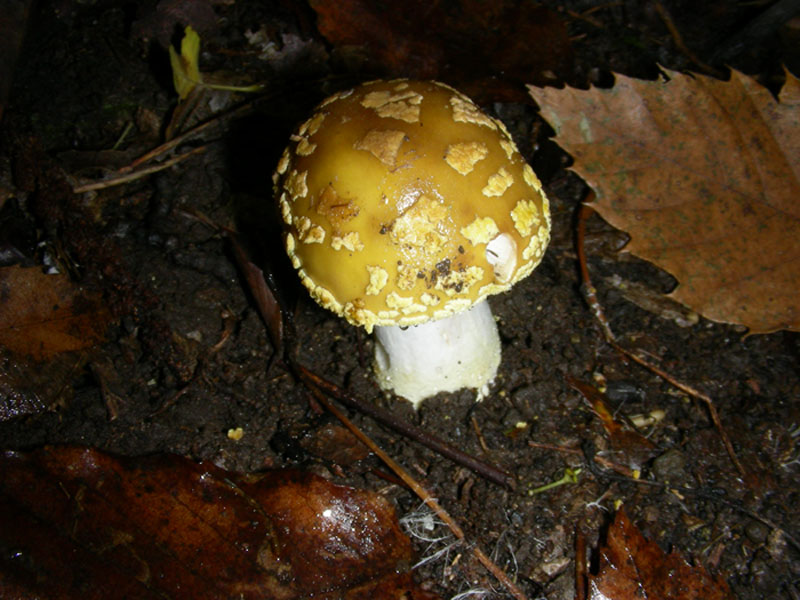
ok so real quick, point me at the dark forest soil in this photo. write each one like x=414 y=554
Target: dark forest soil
x=189 y=358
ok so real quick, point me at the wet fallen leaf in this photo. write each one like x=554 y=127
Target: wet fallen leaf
x=28 y=387
x=334 y=443
x=44 y=315
x=704 y=175
x=486 y=49
x=77 y=523
x=631 y=568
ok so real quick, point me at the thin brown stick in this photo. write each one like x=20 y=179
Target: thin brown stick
x=420 y=491
x=479 y=433
x=132 y=172
x=194 y=131
x=589 y=291
x=712 y=409
x=591 y=298
x=584 y=17
x=183 y=111
x=134 y=175
x=681 y=45
x=484 y=469
x=580 y=565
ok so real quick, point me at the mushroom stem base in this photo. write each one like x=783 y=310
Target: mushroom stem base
x=462 y=351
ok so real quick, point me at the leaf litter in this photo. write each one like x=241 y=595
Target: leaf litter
x=543 y=371
x=44 y=315
x=49 y=326
x=167 y=527
x=631 y=567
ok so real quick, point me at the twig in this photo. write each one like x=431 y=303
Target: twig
x=420 y=491
x=479 y=433
x=606 y=6
x=587 y=14
x=132 y=172
x=584 y=17
x=581 y=578
x=194 y=131
x=123 y=135
x=134 y=175
x=485 y=470
x=712 y=409
x=228 y=325
x=589 y=291
x=183 y=111
x=678 y=39
x=591 y=297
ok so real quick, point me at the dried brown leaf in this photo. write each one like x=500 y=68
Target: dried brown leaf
x=704 y=175
x=78 y=523
x=264 y=296
x=631 y=568
x=45 y=315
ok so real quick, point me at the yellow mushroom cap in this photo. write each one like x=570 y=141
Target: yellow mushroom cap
x=390 y=194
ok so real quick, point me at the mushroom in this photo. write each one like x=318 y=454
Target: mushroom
x=404 y=207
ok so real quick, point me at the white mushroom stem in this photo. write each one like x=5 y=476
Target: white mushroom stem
x=446 y=355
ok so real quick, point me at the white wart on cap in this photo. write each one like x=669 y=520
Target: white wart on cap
x=404 y=207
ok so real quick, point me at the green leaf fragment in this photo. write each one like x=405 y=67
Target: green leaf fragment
x=186 y=66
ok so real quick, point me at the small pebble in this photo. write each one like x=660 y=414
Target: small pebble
x=756 y=532
x=670 y=466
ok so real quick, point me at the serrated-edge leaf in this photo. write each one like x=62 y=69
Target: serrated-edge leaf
x=679 y=165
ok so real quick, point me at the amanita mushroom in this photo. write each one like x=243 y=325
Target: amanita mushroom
x=404 y=207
